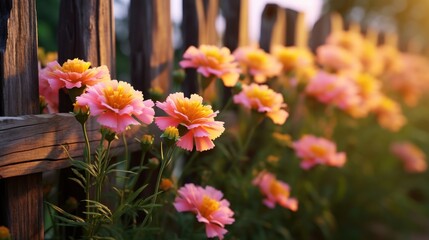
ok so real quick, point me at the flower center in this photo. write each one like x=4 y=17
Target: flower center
x=193 y=109
x=76 y=65
x=208 y=206
x=118 y=98
x=264 y=96
x=214 y=54
x=318 y=150
x=257 y=59
x=278 y=190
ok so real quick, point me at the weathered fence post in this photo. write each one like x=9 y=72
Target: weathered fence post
x=21 y=196
x=151 y=44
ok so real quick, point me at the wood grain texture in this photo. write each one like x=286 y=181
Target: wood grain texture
x=86 y=31
x=22 y=195
x=25 y=206
x=151 y=44
x=18 y=61
x=23 y=151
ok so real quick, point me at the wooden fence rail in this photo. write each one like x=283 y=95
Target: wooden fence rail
x=31 y=144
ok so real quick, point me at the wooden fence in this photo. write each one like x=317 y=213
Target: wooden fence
x=31 y=144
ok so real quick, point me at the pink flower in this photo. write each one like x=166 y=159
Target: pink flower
x=313 y=151
x=258 y=63
x=275 y=191
x=337 y=58
x=212 y=61
x=75 y=74
x=117 y=105
x=46 y=90
x=196 y=118
x=208 y=205
x=264 y=100
x=413 y=159
x=333 y=89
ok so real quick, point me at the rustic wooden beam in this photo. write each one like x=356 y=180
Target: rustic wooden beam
x=22 y=196
x=37 y=143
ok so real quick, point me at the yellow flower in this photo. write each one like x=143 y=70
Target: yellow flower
x=171 y=133
x=293 y=58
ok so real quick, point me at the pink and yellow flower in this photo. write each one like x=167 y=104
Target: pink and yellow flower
x=196 y=118
x=264 y=100
x=50 y=94
x=75 y=74
x=333 y=89
x=338 y=59
x=258 y=63
x=117 y=105
x=413 y=159
x=275 y=191
x=389 y=114
x=369 y=92
x=293 y=58
x=318 y=151
x=212 y=61
x=209 y=206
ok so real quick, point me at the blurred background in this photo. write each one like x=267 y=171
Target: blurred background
x=406 y=17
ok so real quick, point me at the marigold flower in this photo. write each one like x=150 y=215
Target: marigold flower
x=74 y=74
x=348 y=40
x=338 y=59
x=4 y=233
x=275 y=191
x=264 y=100
x=196 y=118
x=208 y=205
x=413 y=159
x=257 y=63
x=333 y=89
x=212 y=61
x=369 y=93
x=117 y=105
x=50 y=94
x=313 y=151
x=389 y=114
x=293 y=58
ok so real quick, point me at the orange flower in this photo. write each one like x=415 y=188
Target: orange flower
x=212 y=61
x=166 y=184
x=258 y=63
x=4 y=233
x=264 y=100
x=414 y=160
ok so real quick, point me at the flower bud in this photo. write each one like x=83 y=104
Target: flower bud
x=81 y=113
x=146 y=142
x=71 y=204
x=153 y=163
x=108 y=134
x=171 y=133
x=166 y=184
x=178 y=76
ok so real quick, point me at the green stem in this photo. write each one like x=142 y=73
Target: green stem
x=87 y=175
x=188 y=165
x=164 y=163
